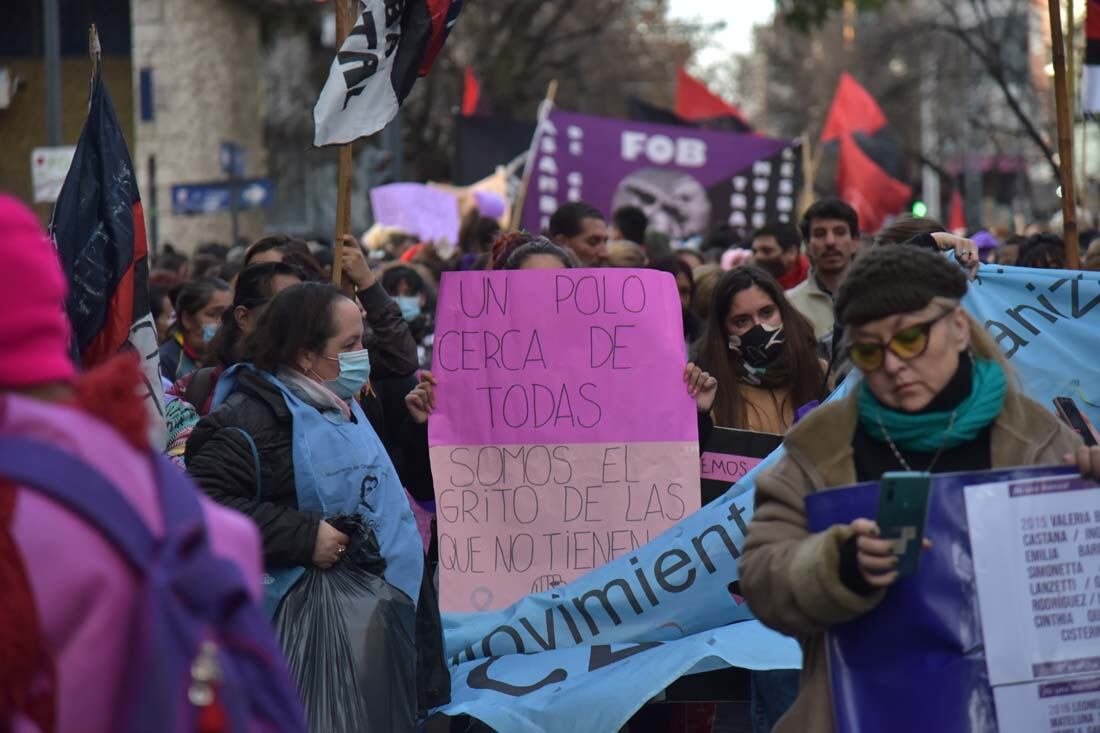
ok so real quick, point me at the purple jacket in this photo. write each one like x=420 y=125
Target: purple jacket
x=83 y=590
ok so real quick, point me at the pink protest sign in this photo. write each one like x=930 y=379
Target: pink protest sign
x=563 y=435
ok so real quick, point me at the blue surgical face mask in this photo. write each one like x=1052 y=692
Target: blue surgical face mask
x=209 y=331
x=409 y=305
x=354 y=373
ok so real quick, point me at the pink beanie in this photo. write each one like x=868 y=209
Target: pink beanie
x=34 y=330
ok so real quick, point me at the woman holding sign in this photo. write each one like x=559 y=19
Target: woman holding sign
x=762 y=352
x=936 y=397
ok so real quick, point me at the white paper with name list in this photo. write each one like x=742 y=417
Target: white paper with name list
x=1036 y=550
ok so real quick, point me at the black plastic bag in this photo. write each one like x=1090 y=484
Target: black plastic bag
x=433 y=676
x=349 y=638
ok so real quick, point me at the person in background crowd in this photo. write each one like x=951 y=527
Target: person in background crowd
x=735 y=257
x=987 y=244
x=685 y=285
x=1044 y=251
x=658 y=245
x=172 y=264
x=66 y=640
x=629 y=223
x=763 y=353
x=282 y=248
x=294 y=404
x=1009 y=252
x=199 y=308
x=691 y=257
x=830 y=228
x=778 y=250
x=475 y=238
x=581 y=229
x=936 y=396
x=388 y=338
x=622 y=253
x=539 y=254
x=160 y=305
x=1092 y=256
x=416 y=300
x=256 y=285
x=704 y=279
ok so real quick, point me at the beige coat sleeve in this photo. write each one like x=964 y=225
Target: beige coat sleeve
x=791 y=578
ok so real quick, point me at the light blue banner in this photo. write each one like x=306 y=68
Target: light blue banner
x=581 y=662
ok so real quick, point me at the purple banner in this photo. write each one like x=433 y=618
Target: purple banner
x=686 y=180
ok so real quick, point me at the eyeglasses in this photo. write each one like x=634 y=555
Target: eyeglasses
x=906 y=344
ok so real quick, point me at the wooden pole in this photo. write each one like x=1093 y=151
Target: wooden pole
x=344 y=20
x=532 y=153
x=1065 y=137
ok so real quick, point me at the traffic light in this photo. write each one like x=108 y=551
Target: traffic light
x=920 y=208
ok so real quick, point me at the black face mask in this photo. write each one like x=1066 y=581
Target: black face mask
x=760 y=346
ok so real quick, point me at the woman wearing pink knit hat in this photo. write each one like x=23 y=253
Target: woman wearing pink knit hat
x=68 y=595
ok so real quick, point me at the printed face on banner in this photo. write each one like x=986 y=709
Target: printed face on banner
x=686 y=180
x=564 y=436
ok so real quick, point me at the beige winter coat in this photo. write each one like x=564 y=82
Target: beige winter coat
x=791 y=578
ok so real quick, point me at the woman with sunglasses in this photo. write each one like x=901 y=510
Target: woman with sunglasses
x=936 y=397
x=762 y=352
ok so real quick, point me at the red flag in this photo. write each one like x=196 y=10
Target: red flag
x=443 y=13
x=471 y=93
x=852 y=110
x=957 y=219
x=694 y=102
x=868 y=189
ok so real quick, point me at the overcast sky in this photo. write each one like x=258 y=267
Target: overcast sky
x=740 y=16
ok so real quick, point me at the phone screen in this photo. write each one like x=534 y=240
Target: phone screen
x=902 y=511
x=1071 y=415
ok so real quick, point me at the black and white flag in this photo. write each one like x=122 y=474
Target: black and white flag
x=391 y=44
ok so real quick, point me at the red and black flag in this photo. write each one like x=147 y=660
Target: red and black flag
x=99 y=230
x=869 y=162
x=392 y=43
x=1090 y=88
x=696 y=106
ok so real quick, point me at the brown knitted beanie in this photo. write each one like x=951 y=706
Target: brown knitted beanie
x=886 y=281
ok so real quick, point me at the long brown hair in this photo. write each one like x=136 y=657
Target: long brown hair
x=805 y=375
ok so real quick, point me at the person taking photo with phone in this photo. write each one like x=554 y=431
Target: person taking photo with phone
x=936 y=397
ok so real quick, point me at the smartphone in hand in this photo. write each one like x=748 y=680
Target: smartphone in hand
x=1071 y=415
x=902 y=511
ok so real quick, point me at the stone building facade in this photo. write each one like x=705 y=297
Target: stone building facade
x=206 y=63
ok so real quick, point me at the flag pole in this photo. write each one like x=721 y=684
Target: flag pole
x=1065 y=137
x=343 y=170
x=809 y=173
x=528 y=169
x=95 y=53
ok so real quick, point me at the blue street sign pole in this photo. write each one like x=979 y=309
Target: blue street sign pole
x=232 y=156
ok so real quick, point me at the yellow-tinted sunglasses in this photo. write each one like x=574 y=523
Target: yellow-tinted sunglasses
x=906 y=344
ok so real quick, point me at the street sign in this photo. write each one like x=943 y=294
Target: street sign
x=209 y=198
x=49 y=166
x=232 y=159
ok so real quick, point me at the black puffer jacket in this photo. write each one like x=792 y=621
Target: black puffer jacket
x=221 y=461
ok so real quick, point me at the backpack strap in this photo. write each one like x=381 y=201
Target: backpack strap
x=82 y=489
x=255 y=458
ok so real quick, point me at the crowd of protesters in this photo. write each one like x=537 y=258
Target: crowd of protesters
x=298 y=404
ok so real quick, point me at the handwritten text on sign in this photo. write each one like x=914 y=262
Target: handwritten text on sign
x=564 y=436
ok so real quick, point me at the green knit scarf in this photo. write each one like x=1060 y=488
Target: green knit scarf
x=928 y=432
